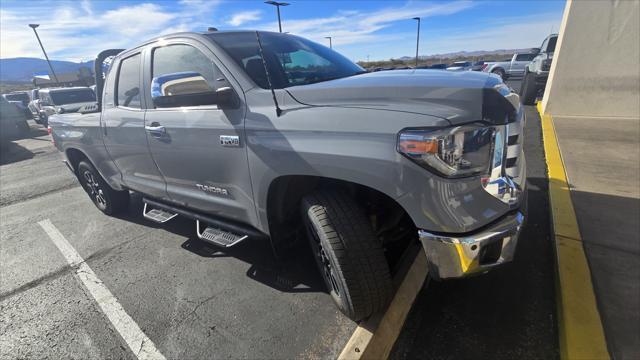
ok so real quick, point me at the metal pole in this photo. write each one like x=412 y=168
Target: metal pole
x=330 y=44
x=279 y=23
x=417 y=39
x=34 y=26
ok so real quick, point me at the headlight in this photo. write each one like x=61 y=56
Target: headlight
x=460 y=151
x=546 y=64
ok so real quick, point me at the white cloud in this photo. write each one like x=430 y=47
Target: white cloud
x=240 y=18
x=86 y=6
x=350 y=27
x=69 y=33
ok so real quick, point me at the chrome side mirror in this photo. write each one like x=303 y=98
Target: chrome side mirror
x=187 y=88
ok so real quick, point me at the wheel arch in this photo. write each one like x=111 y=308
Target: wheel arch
x=285 y=193
x=75 y=156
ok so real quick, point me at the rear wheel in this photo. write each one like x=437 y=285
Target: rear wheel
x=347 y=252
x=528 y=90
x=106 y=199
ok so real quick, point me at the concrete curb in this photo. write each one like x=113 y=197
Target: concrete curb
x=579 y=324
x=374 y=337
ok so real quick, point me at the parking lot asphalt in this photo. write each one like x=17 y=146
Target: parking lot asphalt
x=191 y=300
x=508 y=313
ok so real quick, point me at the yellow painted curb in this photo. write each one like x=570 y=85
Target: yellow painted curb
x=579 y=324
x=374 y=338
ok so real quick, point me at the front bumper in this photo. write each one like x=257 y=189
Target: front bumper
x=450 y=256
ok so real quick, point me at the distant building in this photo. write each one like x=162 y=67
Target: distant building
x=82 y=77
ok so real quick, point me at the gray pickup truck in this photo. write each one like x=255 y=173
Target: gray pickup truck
x=259 y=135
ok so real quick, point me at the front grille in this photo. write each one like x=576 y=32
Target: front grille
x=514 y=148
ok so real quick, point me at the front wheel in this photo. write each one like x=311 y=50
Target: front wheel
x=106 y=199
x=347 y=252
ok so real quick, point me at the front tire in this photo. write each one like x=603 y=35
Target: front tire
x=528 y=90
x=347 y=252
x=500 y=73
x=106 y=199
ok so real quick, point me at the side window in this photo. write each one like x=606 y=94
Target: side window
x=173 y=59
x=128 y=86
x=552 y=44
x=543 y=47
x=524 y=57
x=184 y=76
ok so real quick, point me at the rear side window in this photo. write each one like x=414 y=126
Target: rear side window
x=128 y=86
x=524 y=57
x=185 y=58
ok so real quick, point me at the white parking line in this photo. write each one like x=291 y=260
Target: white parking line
x=138 y=342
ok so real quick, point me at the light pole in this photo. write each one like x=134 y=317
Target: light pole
x=417 y=40
x=330 y=45
x=34 y=26
x=277 y=5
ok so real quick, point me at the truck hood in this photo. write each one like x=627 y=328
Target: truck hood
x=454 y=96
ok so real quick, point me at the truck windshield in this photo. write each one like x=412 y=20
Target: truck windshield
x=291 y=60
x=72 y=96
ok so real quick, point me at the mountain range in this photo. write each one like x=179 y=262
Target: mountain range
x=22 y=69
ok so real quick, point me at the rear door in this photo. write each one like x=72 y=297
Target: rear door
x=519 y=63
x=201 y=172
x=123 y=128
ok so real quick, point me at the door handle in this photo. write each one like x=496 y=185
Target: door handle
x=155 y=129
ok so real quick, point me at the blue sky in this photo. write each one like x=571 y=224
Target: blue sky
x=78 y=30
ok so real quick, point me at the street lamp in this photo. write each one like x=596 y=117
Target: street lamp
x=277 y=5
x=330 y=45
x=418 y=39
x=34 y=26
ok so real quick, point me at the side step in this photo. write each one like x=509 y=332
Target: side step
x=158 y=215
x=218 y=237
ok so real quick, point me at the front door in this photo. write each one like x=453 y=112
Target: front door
x=123 y=129
x=200 y=150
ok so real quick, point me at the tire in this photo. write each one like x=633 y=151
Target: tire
x=106 y=199
x=528 y=90
x=348 y=254
x=500 y=73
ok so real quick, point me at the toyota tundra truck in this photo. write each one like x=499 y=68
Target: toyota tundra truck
x=259 y=135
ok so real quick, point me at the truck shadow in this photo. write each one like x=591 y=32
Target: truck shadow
x=296 y=273
x=14 y=153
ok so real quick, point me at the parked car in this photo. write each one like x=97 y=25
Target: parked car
x=64 y=100
x=460 y=66
x=438 y=66
x=34 y=104
x=507 y=69
x=477 y=66
x=13 y=123
x=537 y=71
x=20 y=99
x=252 y=140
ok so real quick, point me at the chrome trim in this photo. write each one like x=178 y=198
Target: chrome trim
x=460 y=256
x=500 y=182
